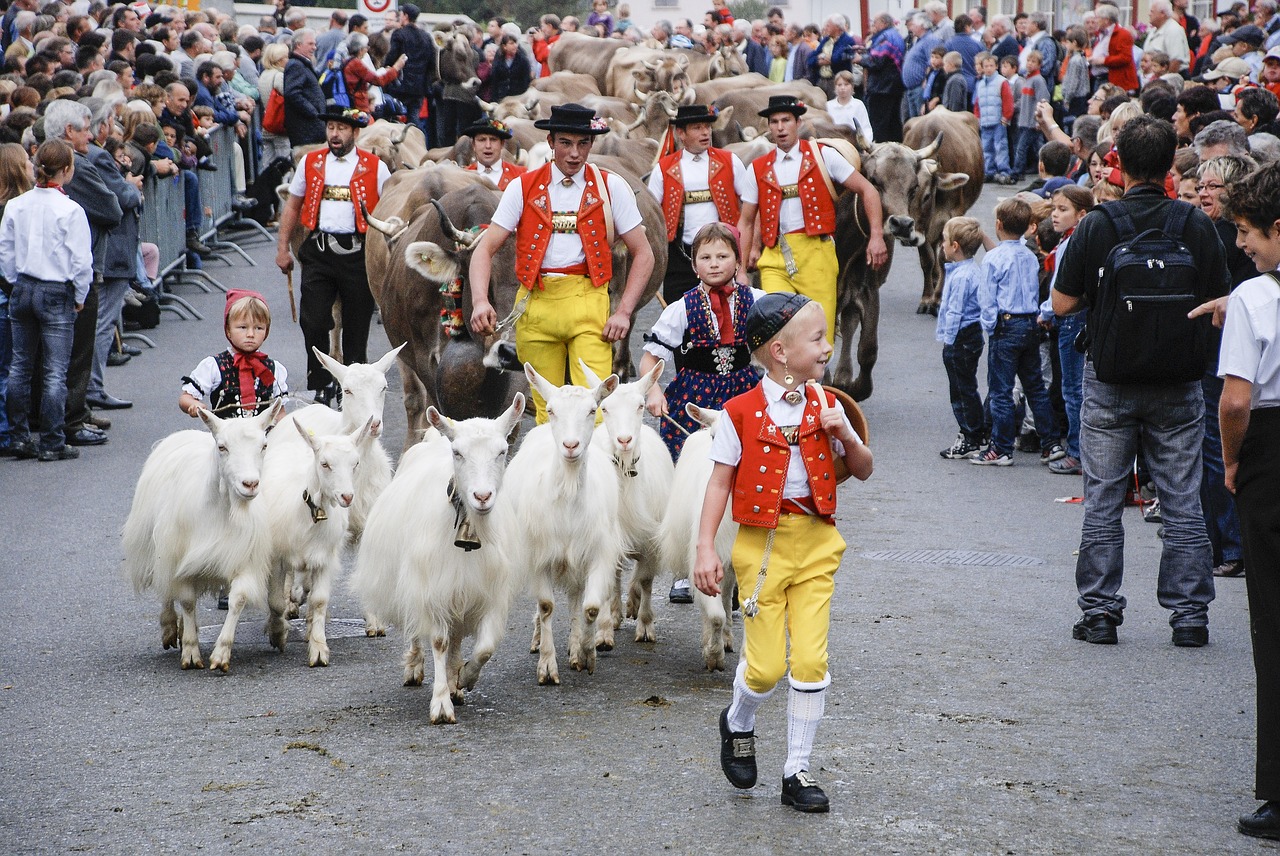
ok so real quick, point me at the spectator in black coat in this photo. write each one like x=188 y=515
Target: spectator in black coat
x=510 y=73
x=419 y=70
x=303 y=97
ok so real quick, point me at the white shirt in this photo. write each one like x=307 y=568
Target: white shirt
x=854 y=114
x=726 y=448
x=492 y=174
x=565 y=250
x=673 y=322
x=1249 y=339
x=44 y=235
x=336 y=216
x=206 y=379
x=786 y=170
x=1171 y=38
x=695 y=172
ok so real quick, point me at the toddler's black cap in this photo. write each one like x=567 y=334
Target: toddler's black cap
x=770 y=314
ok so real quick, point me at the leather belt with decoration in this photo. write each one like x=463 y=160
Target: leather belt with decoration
x=790 y=191
x=694 y=197
x=718 y=360
x=336 y=193
x=339 y=243
x=564 y=222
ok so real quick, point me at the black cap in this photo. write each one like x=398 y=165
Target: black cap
x=783 y=104
x=691 y=114
x=1249 y=34
x=410 y=10
x=769 y=314
x=351 y=116
x=573 y=119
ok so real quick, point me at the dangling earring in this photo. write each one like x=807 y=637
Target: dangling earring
x=791 y=396
x=786 y=377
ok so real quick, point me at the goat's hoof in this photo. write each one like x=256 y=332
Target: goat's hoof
x=192 y=662
x=219 y=666
x=605 y=643
x=592 y=613
x=548 y=676
x=469 y=675
x=442 y=712
x=373 y=630
x=320 y=657
x=645 y=633
x=169 y=638
x=292 y=611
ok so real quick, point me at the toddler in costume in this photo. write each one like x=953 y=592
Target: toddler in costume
x=776 y=452
x=704 y=333
x=240 y=381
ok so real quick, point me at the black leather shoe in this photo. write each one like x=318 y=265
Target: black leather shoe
x=737 y=754
x=86 y=437
x=1191 y=637
x=195 y=245
x=330 y=396
x=102 y=423
x=1097 y=630
x=23 y=450
x=66 y=453
x=802 y=793
x=1263 y=823
x=207 y=166
x=107 y=402
x=115 y=358
x=680 y=593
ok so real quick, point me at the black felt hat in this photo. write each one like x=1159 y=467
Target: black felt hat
x=784 y=104
x=573 y=119
x=691 y=114
x=770 y=314
x=488 y=125
x=349 y=115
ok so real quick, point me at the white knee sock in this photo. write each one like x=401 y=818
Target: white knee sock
x=742 y=713
x=804 y=712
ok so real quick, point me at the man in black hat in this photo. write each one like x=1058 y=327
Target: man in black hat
x=565 y=216
x=1245 y=43
x=488 y=136
x=695 y=186
x=325 y=197
x=793 y=191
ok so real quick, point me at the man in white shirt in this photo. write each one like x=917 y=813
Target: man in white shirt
x=565 y=216
x=488 y=137
x=330 y=193
x=1168 y=36
x=695 y=186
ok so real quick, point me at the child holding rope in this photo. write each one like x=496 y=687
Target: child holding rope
x=240 y=381
x=775 y=453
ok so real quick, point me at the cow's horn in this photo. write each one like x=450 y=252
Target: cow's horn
x=404 y=132
x=462 y=240
x=641 y=117
x=391 y=228
x=653 y=64
x=643 y=96
x=929 y=150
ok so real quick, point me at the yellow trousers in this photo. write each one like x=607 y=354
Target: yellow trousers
x=561 y=324
x=817 y=270
x=795 y=599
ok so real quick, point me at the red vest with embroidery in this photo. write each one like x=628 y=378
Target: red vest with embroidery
x=819 y=208
x=762 y=471
x=509 y=172
x=364 y=186
x=533 y=232
x=719 y=178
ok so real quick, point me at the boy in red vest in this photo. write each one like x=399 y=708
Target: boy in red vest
x=565 y=217
x=775 y=454
x=325 y=197
x=793 y=188
x=487 y=138
x=695 y=186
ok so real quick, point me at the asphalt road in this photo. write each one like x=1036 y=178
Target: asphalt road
x=962 y=717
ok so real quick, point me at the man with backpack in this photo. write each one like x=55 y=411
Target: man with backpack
x=1139 y=265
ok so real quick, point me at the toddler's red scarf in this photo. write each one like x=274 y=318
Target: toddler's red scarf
x=251 y=368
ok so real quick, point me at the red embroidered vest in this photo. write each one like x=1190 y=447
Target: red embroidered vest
x=533 y=232
x=762 y=471
x=509 y=172
x=815 y=199
x=364 y=186
x=720 y=179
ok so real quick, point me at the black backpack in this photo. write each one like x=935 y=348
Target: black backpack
x=1139 y=331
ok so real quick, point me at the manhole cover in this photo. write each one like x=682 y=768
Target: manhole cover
x=249 y=630
x=952 y=557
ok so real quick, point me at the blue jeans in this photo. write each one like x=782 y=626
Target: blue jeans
x=191 y=200
x=1026 y=151
x=1072 y=363
x=960 y=359
x=1169 y=421
x=6 y=354
x=111 y=296
x=995 y=149
x=1015 y=352
x=1218 y=504
x=41 y=314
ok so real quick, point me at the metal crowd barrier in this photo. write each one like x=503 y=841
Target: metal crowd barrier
x=163 y=224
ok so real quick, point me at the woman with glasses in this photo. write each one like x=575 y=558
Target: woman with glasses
x=1212 y=180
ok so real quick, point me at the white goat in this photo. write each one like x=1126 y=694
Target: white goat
x=307 y=492
x=565 y=496
x=411 y=567
x=194 y=528
x=364 y=389
x=680 y=536
x=645 y=473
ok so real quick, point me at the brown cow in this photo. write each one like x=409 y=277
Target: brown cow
x=585 y=55
x=953 y=142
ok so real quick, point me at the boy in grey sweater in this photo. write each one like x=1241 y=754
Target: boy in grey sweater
x=1029 y=140
x=955 y=92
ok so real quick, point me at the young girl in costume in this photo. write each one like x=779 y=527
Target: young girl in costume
x=704 y=334
x=240 y=381
x=775 y=454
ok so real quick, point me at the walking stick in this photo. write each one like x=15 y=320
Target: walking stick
x=293 y=307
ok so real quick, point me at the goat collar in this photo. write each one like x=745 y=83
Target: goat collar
x=628 y=469
x=317 y=508
x=464 y=534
